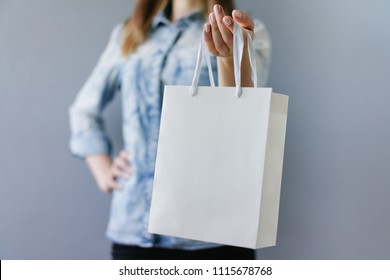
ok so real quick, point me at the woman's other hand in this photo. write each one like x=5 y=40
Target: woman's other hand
x=106 y=172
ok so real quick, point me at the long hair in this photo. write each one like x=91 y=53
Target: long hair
x=137 y=27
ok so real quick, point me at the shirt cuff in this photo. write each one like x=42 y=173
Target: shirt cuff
x=90 y=142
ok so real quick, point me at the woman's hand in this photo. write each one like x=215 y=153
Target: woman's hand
x=218 y=35
x=218 y=32
x=106 y=171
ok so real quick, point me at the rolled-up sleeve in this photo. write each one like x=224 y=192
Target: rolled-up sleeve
x=262 y=44
x=88 y=135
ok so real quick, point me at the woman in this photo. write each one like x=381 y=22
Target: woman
x=156 y=46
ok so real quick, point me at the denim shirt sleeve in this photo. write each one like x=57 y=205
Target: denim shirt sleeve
x=262 y=44
x=88 y=135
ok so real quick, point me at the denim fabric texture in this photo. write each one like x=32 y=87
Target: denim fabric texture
x=167 y=57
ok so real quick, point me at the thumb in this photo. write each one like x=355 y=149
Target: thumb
x=243 y=19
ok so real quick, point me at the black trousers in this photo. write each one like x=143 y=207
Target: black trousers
x=125 y=252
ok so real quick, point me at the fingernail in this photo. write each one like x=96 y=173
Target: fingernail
x=217 y=9
x=212 y=18
x=227 y=20
x=238 y=13
x=207 y=27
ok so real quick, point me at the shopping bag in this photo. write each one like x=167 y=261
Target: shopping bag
x=219 y=160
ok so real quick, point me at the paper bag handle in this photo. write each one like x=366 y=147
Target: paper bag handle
x=238 y=50
x=202 y=54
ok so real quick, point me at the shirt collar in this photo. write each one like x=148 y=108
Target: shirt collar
x=184 y=22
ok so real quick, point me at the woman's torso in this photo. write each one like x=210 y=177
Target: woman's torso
x=168 y=57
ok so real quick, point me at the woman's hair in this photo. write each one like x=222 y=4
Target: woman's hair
x=136 y=28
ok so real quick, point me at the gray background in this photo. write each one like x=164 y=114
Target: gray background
x=331 y=57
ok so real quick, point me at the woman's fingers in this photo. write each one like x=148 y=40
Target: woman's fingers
x=125 y=155
x=223 y=30
x=229 y=23
x=218 y=33
x=245 y=20
x=219 y=43
x=208 y=39
x=121 y=163
x=113 y=185
x=214 y=37
x=119 y=172
x=121 y=166
x=110 y=184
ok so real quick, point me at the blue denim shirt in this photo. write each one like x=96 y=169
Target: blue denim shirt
x=167 y=57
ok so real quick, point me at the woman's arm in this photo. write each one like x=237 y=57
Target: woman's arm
x=218 y=34
x=88 y=136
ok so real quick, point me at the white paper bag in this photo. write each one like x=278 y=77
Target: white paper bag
x=219 y=162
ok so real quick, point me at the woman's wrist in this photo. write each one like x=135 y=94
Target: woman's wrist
x=99 y=166
x=226 y=71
